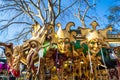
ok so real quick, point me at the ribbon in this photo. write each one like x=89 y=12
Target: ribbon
x=44 y=53
x=91 y=70
x=40 y=53
x=15 y=73
x=103 y=58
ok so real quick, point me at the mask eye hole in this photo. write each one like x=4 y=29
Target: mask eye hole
x=92 y=42
x=33 y=44
x=98 y=43
x=7 y=54
x=60 y=41
x=67 y=40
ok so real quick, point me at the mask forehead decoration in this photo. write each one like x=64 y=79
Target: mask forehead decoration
x=95 y=39
x=65 y=33
x=63 y=37
x=60 y=32
x=38 y=34
x=94 y=24
x=92 y=35
x=36 y=27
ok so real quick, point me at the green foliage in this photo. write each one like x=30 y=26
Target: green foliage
x=113 y=17
x=115 y=9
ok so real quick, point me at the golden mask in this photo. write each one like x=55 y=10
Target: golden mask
x=63 y=38
x=95 y=45
x=95 y=39
x=38 y=35
x=63 y=45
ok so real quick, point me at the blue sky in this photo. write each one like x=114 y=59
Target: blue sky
x=101 y=9
x=103 y=6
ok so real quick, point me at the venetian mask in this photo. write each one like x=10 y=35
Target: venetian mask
x=33 y=43
x=63 y=45
x=9 y=52
x=95 y=45
x=38 y=36
x=95 y=39
x=16 y=57
x=64 y=37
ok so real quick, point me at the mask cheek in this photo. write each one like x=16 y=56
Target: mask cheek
x=59 y=47
x=90 y=46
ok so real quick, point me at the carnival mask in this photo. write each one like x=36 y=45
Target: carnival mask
x=95 y=39
x=16 y=57
x=95 y=45
x=64 y=37
x=63 y=45
x=38 y=36
x=9 y=52
x=33 y=44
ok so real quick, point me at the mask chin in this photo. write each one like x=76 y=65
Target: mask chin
x=94 y=52
x=62 y=51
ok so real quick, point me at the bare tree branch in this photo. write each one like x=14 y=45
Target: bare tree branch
x=10 y=9
x=85 y=12
x=25 y=11
x=56 y=1
x=59 y=10
x=68 y=7
x=38 y=3
x=10 y=21
x=34 y=4
x=7 y=25
x=8 y=5
x=20 y=36
x=52 y=12
x=39 y=11
x=81 y=15
x=3 y=20
x=86 y=1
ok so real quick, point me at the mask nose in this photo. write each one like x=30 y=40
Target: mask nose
x=95 y=45
x=63 y=45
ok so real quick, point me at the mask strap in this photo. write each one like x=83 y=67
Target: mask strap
x=91 y=70
x=56 y=60
x=103 y=57
x=40 y=53
x=104 y=61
